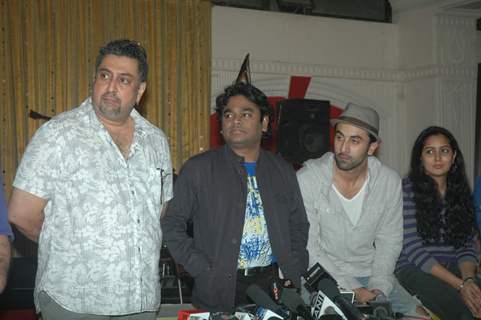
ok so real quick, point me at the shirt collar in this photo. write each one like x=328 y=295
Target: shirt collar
x=239 y=159
x=140 y=125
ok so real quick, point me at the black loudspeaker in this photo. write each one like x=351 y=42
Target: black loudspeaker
x=303 y=129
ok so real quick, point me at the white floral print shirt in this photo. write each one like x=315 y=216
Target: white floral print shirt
x=100 y=241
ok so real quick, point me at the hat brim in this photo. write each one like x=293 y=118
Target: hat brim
x=356 y=123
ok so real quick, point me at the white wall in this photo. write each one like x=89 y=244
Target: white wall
x=416 y=38
x=407 y=71
x=274 y=36
x=439 y=53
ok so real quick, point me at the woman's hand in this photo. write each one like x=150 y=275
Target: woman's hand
x=471 y=295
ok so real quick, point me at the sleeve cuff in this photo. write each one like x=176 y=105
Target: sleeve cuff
x=385 y=284
x=465 y=258
x=349 y=283
x=428 y=265
x=24 y=186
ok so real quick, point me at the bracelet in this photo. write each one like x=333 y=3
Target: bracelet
x=468 y=279
x=464 y=282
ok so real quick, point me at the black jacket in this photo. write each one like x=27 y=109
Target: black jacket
x=212 y=190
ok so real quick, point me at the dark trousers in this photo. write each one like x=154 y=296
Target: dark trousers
x=51 y=310
x=442 y=299
x=263 y=280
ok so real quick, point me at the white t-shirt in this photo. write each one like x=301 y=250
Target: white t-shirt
x=353 y=206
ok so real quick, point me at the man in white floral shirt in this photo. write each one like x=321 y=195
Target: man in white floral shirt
x=90 y=189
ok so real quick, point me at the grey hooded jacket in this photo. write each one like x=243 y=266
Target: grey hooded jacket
x=368 y=249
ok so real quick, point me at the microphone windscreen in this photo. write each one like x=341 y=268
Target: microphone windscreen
x=330 y=317
x=330 y=310
x=329 y=288
x=291 y=299
x=261 y=298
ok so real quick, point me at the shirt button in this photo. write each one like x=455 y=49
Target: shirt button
x=229 y=276
x=138 y=220
x=234 y=241
x=133 y=192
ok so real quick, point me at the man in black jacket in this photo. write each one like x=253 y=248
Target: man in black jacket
x=248 y=215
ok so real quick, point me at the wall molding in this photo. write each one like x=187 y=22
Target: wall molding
x=326 y=71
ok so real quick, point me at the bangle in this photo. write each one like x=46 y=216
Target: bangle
x=464 y=282
x=460 y=286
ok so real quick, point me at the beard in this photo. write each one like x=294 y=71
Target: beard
x=110 y=105
x=348 y=164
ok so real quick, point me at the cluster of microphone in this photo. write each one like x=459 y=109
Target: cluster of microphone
x=326 y=301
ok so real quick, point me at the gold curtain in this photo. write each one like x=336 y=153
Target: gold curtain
x=47 y=57
x=47 y=61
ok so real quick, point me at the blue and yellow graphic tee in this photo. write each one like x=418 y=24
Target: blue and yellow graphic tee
x=255 y=248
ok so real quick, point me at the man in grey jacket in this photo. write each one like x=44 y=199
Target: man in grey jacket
x=354 y=207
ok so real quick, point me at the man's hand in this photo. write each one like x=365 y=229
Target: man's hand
x=471 y=295
x=364 y=295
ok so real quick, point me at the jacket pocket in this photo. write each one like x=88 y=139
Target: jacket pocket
x=205 y=287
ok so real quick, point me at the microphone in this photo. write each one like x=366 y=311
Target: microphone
x=381 y=307
x=314 y=275
x=330 y=317
x=266 y=314
x=263 y=300
x=322 y=306
x=329 y=288
x=330 y=310
x=295 y=304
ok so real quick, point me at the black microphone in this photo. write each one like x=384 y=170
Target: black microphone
x=333 y=316
x=329 y=288
x=321 y=305
x=294 y=303
x=381 y=307
x=262 y=299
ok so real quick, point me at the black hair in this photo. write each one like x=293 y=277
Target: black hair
x=252 y=94
x=125 y=48
x=372 y=138
x=458 y=222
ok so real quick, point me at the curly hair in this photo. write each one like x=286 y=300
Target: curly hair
x=125 y=48
x=459 y=219
x=252 y=94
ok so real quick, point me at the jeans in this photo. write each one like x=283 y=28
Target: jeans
x=401 y=300
x=438 y=296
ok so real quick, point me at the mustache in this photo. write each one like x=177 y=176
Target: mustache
x=342 y=154
x=110 y=95
x=236 y=128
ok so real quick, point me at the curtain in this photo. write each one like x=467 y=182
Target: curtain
x=47 y=61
